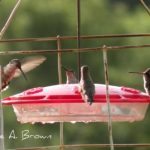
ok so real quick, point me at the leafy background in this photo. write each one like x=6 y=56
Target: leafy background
x=38 y=18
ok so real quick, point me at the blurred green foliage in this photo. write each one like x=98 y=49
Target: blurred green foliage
x=38 y=18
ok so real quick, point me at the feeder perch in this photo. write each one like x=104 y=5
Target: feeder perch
x=63 y=103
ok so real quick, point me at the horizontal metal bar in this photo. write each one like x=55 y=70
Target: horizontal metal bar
x=44 y=39
x=74 y=50
x=86 y=146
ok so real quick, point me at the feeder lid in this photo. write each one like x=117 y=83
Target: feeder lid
x=69 y=93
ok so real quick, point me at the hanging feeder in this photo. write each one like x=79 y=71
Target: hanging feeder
x=63 y=103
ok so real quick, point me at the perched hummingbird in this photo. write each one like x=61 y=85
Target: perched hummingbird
x=71 y=77
x=146 y=79
x=86 y=85
x=17 y=67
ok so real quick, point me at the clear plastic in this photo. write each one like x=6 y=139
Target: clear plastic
x=50 y=113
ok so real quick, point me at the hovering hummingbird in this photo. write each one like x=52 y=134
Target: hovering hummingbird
x=146 y=79
x=17 y=67
x=86 y=85
x=71 y=77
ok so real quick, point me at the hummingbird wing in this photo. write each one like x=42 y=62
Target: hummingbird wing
x=29 y=63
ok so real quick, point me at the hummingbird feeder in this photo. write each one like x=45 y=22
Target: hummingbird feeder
x=63 y=103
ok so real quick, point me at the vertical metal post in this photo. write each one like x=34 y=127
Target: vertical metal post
x=59 y=60
x=78 y=36
x=60 y=82
x=1 y=117
x=107 y=97
x=2 y=32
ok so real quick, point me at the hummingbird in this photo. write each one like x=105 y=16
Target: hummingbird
x=146 y=79
x=71 y=77
x=86 y=85
x=17 y=67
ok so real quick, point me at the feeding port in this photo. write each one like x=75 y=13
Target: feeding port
x=63 y=103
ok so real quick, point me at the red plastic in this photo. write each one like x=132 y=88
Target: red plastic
x=68 y=93
x=63 y=103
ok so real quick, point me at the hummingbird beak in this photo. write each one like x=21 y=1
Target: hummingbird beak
x=64 y=68
x=23 y=73
x=140 y=73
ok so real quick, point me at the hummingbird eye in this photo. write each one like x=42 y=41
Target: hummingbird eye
x=147 y=72
x=16 y=62
x=85 y=68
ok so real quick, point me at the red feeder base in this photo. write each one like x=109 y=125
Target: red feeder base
x=63 y=103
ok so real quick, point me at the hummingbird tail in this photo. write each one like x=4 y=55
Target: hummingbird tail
x=88 y=99
x=90 y=103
